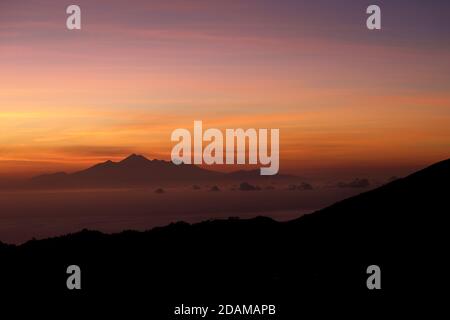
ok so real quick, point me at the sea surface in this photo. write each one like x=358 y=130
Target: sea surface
x=41 y=214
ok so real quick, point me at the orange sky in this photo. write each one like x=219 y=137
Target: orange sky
x=340 y=94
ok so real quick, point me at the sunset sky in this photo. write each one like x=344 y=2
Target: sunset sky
x=340 y=94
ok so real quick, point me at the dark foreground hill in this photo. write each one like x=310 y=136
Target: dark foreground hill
x=318 y=260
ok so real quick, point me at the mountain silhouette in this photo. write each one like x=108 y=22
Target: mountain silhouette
x=319 y=259
x=138 y=170
x=133 y=170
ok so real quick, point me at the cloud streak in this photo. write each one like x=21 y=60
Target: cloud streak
x=139 y=70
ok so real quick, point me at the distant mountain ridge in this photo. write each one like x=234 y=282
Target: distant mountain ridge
x=138 y=170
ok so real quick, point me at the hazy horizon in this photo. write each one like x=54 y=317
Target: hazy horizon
x=379 y=174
